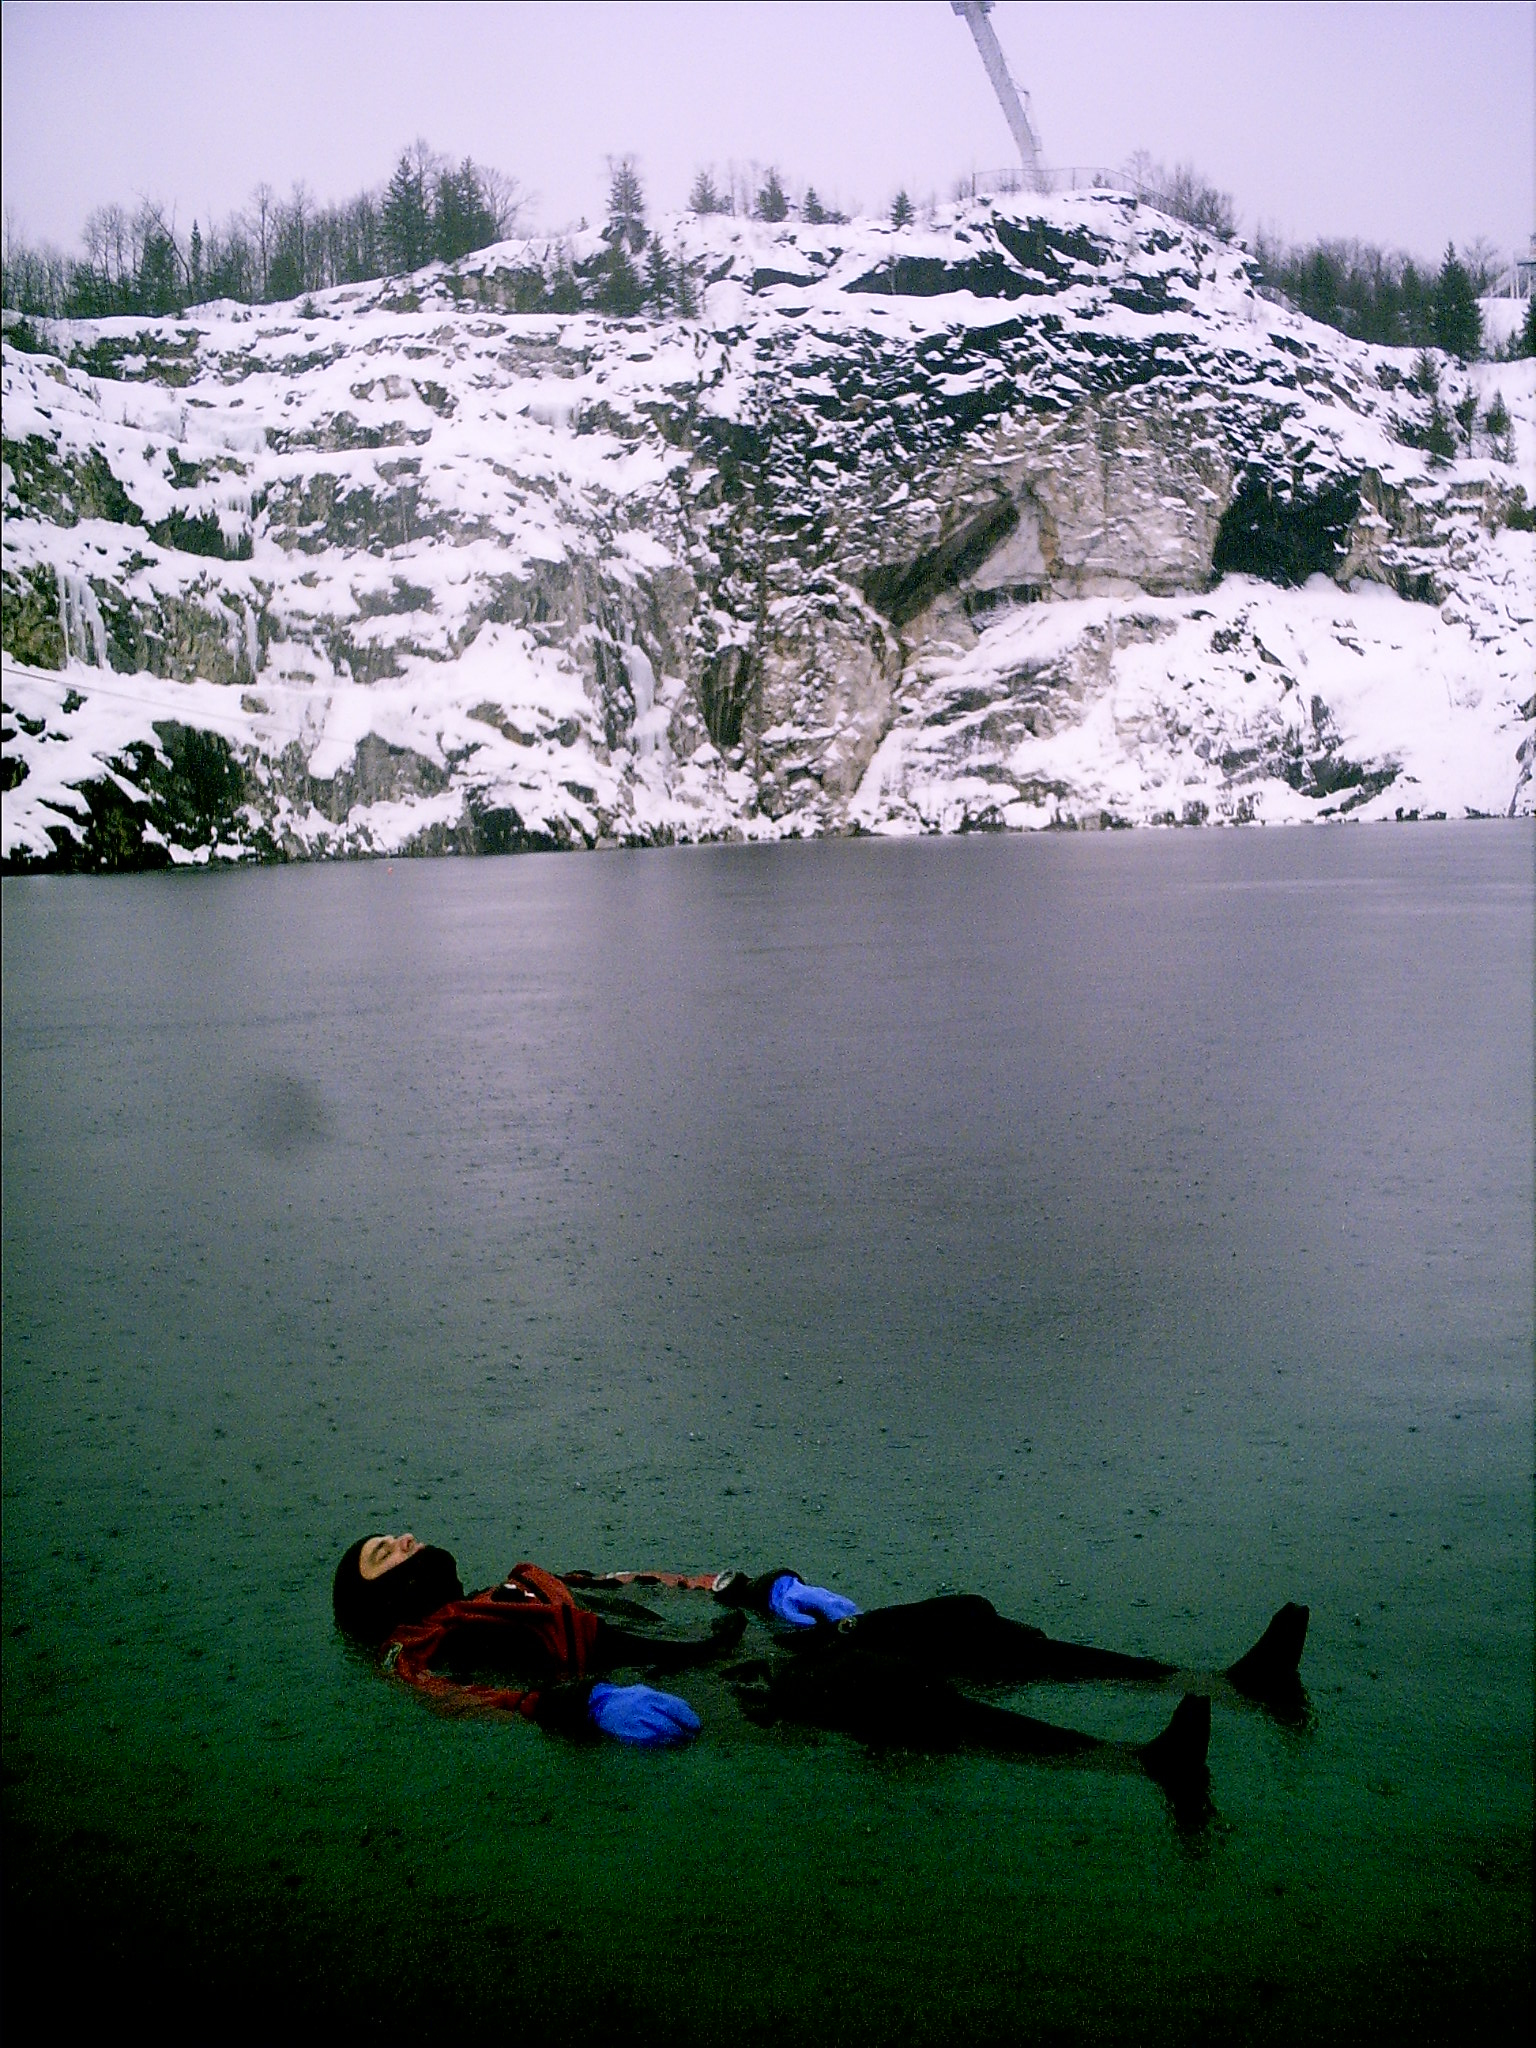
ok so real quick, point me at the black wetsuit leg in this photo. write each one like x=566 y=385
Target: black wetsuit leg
x=885 y=1702
x=951 y=1634
x=964 y=1636
x=978 y=1726
x=1081 y=1660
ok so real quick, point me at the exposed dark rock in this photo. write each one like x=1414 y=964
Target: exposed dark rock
x=199 y=534
x=186 y=476
x=400 y=597
x=615 y=693
x=1419 y=586
x=110 y=839
x=29 y=617
x=66 y=490
x=1322 y=769
x=1040 y=245
x=494 y=716
x=500 y=829
x=365 y=661
x=927 y=277
x=380 y=773
x=765 y=280
x=724 y=690
x=187 y=791
x=144 y=357
x=1284 y=536
x=321 y=514
x=340 y=430
x=901 y=590
x=195 y=788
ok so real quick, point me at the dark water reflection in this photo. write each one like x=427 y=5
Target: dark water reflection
x=283 y=1114
x=1136 y=1229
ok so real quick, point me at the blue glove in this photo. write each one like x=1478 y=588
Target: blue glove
x=638 y=1713
x=802 y=1606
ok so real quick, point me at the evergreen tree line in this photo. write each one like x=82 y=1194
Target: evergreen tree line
x=1387 y=298
x=1457 y=423
x=630 y=272
x=137 y=262
x=1361 y=290
x=634 y=270
x=274 y=249
x=757 y=196
x=617 y=283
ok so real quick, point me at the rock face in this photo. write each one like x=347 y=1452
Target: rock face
x=1041 y=515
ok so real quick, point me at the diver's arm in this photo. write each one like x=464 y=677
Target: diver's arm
x=563 y=1709
x=784 y=1596
x=741 y=1589
x=637 y=1714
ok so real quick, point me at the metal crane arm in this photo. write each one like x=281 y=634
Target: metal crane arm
x=974 y=13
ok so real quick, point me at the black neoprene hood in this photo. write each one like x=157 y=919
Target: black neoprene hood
x=368 y=1609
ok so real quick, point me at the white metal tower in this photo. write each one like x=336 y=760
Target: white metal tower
x=1015 y=105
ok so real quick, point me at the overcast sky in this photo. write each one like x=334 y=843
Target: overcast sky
x=1409 y=125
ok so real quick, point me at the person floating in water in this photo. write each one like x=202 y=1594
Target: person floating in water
x=891 y=1677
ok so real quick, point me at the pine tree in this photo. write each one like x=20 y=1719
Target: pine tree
x=285 y=274
x=813 y=210
x=626 y=207
x=1319 y=295
x=564 y=291
x=456 y=213
x=1500 y=429
x=1417 y=295
x=1525 y=341
x=291 y=266
x=901 y=210
x=620 y=291
x=1458 y=319
x=703 y=197
x=1438 y=439
x=405 y=220
x=158 y=285
x=660 y=277
x=355 y=237
x=195 y=263
x=772 y=201
x=463 y=216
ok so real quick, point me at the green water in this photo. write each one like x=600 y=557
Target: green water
x=1135 y=1229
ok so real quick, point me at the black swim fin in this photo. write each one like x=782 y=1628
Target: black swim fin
x=1268 y=1672
x=1176 y=1758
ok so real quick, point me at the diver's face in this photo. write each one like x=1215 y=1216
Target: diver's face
x=381 y=1554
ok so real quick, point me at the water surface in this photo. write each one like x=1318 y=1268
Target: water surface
x=1136 y=1229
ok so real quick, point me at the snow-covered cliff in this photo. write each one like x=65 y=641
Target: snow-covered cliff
x=1040 y=515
